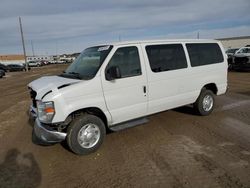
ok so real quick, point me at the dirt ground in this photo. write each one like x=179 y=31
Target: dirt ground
x=175 y=149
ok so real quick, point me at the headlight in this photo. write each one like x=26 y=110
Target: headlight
x=46 y=111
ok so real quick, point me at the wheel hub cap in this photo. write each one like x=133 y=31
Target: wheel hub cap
x=89 y=135
x=208 y=103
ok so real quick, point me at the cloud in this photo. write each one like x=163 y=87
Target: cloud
x=66 y=22
x=210 y=34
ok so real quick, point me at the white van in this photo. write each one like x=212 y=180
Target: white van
x=114 y=86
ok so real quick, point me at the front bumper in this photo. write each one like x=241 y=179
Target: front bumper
x=47 y=136
x=43 y=132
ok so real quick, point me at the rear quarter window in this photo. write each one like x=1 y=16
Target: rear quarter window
x=204 y=54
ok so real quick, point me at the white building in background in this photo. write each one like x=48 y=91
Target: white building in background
x=39 y=58
x=235 y=42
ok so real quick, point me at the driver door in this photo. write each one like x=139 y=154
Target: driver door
x=126 y=97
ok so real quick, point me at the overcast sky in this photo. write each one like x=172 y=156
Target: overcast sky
x=65 y=26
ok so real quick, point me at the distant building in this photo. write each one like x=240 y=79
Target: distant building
x=12 y=59
x=235 y=42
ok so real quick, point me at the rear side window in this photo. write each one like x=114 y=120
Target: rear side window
x=166 y=57
x=204 y=54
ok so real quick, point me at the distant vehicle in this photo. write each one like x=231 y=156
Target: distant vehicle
x=16 y=67
x=69 y=61
x=241 y=59
x=113 y=86
x=230 y=53
x=44 y=62
x=52 y=62
x=3 y=67
x=2 y=73
x=60 y=62
x=34 y=64
x=243 y=50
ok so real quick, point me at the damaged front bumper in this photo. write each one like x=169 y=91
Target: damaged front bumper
x=44 y=132
x=46 y=135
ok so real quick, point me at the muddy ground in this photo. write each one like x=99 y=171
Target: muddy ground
x=175 y=149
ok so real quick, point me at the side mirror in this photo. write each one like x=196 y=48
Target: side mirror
x=113 y=73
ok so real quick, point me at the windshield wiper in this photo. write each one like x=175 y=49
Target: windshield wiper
x=76 y=74
x=71 y=75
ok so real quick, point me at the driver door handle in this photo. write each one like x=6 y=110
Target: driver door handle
x=144 y=89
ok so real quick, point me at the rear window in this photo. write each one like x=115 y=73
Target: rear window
x=166 y=57
x=204 y=54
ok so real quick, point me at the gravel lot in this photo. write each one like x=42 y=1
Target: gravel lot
x=175 y=149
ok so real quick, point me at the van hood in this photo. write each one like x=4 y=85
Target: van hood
x=47 y=84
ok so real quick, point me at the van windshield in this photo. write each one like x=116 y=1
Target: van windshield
x=87 y=63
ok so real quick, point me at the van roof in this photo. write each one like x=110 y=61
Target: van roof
x=161 y=41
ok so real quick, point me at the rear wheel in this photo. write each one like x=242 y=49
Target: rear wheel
x=204 y=105
x=85 y=134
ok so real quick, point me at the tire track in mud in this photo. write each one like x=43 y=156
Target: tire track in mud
x=210 y=132
x=182 y=165
x=196 y=164
x=206 y=131
x=222 y=177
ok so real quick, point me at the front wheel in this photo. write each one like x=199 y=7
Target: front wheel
x=204 y=105
x=85 y=134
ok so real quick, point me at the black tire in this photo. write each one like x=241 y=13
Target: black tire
x=198 y=105
x=74 y=128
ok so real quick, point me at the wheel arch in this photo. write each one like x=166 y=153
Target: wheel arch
x=90 y=110
x=212 y=87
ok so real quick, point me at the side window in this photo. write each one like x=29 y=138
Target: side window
x=127 y=60
x=204 y=54
x=166 y=57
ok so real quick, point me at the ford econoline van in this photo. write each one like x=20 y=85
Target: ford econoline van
x=115 y=86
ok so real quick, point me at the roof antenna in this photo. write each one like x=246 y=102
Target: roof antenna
x=198 y=35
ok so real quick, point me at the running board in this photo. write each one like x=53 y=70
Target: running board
x=129 y=124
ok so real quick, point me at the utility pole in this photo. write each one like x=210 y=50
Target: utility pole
x=24 y=52
x=198 y=35
x=33 y=53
